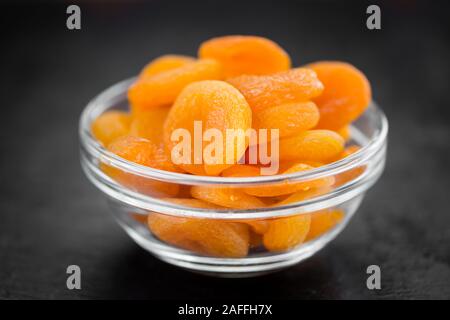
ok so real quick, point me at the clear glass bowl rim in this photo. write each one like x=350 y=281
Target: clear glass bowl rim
x=100 y=103
x=372 y=152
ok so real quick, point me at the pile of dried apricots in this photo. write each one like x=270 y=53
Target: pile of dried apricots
x=237 y=82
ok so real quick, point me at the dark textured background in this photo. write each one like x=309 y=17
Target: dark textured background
x=50 y=216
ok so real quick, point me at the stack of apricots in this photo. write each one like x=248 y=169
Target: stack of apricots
x=237 y=82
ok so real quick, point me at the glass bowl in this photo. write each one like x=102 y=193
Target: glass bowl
x=245 y=240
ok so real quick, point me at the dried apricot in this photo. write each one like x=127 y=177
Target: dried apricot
x=226 y=197
x=111 y=125
x=220 y=107
x=286 y=233
x=351 y=174
x=257 y=226
x=141 y=218
x=206 y=236
x=287 y=187
x=312 y=145
x=347 y=93
x=194 y=203
x=349 y=150
x=262 y=155
x=149 y=125
x=256 y=240
x=246 y=55
x=345 y=133
x=261 y=92
x=304 y=195
x=162 y=89
x=315 y=164
x=164 y=63
x=322 y=221
x=289 y=119
x=241 y=170
x=143 y=152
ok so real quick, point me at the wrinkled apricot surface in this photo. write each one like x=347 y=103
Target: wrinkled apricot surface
x=219 y=106
x=149 y=125
x=261 y=92
x=143 y=152
x=289 y=119
x=163 y=88
x=286 y=233
x=226 y=197
x=347 y=93
x=303 y=195
x=241 y=170
x=111 y=125
x=257 y=157
x=206 y=236
x=312 y=145
x=246 y=55
x=258 y=226
x=164 y=63
x=287 y=187
x=322 y=221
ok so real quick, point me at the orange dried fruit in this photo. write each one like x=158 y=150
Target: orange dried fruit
x=185 y=191
x=349 y=150
x=246 y=55
x=347 y=93
x=164 y=63
x=351 y=174
x=314 y=164
x=141 y=218
x=287 y=186
x=304 y=195
x=149 y=125
x=162 y=89
x=220 y=107
x=241 y=170
x=226 y=197
x=259 y=155
x=289 y=119
x=111 y=125
x=194 y=203
x=206 y=236
x=258 y=226
x=322 y=221
x=295 y=85
x=286 y=233
x=345 y=133
x=143 y=152
x=285 y=165
x=256 y=240
x=312 y=145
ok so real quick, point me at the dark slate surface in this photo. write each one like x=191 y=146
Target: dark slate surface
x=50 y=216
